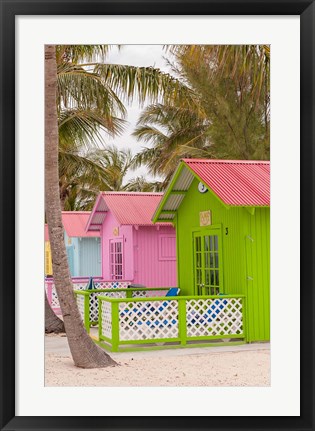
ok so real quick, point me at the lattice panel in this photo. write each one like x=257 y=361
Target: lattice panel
x=94 y=302
x=148 y=294
x=54 y=298
x=79 y=286
x=106 y=308
x=54 y=302
x=80 y=302
x=148 y=320
x=111 y=284
x=210 y=317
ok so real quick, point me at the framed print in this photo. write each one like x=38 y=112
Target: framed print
x=31 y=394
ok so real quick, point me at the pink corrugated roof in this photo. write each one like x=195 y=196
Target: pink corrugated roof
x=74 y=223
x=235 y=182
x=129 y=208
x=132 y=208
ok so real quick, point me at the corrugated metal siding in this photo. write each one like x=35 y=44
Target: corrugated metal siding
x=166 y=217
x=235 y=183
x=98 y=219
x=240 y=183
x=90 y=257
x=184 y=180
x=173 y=203
x=129 y=208
x=74 y=223
x=132 y=208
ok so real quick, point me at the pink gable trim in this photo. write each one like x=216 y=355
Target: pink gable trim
x=129 y=208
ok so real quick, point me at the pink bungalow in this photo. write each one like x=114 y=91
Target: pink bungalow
x=133 y=248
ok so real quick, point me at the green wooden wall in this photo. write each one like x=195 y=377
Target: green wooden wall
x=246 y=257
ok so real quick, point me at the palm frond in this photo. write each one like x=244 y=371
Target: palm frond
x=84 y=127
x=143 y=83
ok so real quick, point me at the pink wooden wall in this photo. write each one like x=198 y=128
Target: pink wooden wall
x=148 y=253
x=155 y=256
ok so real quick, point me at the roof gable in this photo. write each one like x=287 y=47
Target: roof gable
x=129 y=208
x=74 y=223
x=242 y=183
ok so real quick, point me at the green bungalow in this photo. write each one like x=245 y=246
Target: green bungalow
x=221 y=212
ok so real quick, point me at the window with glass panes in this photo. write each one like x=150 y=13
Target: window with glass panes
x=207 y=262
x=116 y=259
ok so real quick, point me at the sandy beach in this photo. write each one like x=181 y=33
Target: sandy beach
x=245 y=365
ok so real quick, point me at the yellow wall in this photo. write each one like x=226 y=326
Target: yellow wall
x=48 y=262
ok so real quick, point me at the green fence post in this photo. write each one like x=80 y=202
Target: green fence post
x=182 y=321
x=115 y=326
x=87 y=313
x=128 y=293
x=244 y=305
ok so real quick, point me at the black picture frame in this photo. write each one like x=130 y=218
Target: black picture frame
x=9 y=10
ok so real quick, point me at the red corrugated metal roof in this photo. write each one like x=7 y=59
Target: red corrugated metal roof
x=235 y=182
x=132 y=208
x=74 y=223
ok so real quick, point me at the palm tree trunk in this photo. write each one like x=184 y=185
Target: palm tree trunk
x=63 y=197
x=84 y=351
x=52 y=322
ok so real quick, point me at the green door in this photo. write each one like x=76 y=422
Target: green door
x=208 y=273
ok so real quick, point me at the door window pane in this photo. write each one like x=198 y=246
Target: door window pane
x=207 y=242
x=116 y=260
x=207 y=264
x=217 y=278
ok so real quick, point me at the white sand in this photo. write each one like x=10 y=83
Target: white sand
x=246 y=365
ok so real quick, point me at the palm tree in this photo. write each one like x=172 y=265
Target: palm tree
x=77 y=87
x=82 y=176
x=174 y=133
x=79 y=178
x=230 y=116
x=89 y=105
x=52 y=322
x=84 y=351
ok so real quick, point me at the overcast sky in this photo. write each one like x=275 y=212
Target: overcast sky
x=135 y=55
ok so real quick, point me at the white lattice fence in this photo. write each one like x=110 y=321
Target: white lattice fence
x=148 y=320
x=214 y=317
x=81 y=285
x=54 y=297
x=111 y=284
x=94 y=302
x=106 y=311
x=149 y=293
x=80 y=302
